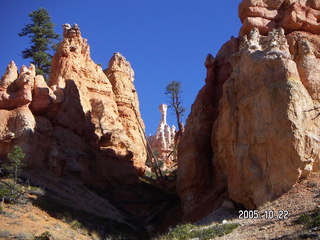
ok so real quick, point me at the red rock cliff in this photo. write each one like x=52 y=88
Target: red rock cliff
x=80 y=123
x=252 y=133
x=291 y=15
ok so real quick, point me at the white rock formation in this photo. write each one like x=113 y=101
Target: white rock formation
x=163 y=141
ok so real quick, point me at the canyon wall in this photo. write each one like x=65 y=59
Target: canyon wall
x=82 y=122
x=253 y=131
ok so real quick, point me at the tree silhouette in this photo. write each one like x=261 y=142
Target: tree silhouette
x=173 y=90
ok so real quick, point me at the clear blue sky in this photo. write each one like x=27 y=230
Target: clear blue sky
x=164 y=40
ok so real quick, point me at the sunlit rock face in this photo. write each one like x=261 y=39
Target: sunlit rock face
x=16 y=88
x=271 y=140
x=111 y=104
x=81 y=122
x=163 y=142
x=252 y=132
x=16 y=119
x=121 y=77
x=200 y=182
x=291 y=15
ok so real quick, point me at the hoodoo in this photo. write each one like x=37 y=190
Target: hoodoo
x=163 y=142
x=253 y=131
x=83 y=122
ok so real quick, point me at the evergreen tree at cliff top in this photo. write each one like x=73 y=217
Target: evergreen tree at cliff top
x=43 y=41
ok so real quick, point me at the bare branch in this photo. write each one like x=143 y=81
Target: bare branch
x=173 y=90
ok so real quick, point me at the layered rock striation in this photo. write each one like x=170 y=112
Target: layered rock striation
x=82 y=122
x=291 y=15
x=253 y=131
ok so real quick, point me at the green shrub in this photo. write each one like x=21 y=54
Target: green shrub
x=75 y=224
x=189 y=231
x=44 y=236
x=151 y=175
x=310 y=221
x=4 y=190
x=23 y=236
x=16 y=163
x=10 y=188
x=181 y=232
x=4 y=234
x=11 y=191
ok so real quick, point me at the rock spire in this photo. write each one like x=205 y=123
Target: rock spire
x=82 y=122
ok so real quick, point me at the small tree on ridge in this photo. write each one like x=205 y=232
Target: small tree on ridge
x=173 y=90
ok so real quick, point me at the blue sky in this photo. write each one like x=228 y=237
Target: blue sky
x=164 y=40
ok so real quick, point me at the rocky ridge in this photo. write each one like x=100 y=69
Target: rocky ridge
x=82 y=122
x=253 y=129
x=291 y=15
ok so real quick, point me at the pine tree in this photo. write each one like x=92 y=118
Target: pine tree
x=16 y=163
x=43 y=41
x=11 y=189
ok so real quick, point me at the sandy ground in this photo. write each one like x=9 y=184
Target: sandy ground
x=303 y=198
x=27 y=221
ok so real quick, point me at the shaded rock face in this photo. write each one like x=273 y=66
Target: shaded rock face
x=200 y=183
x=79 y=123
x=252 y=132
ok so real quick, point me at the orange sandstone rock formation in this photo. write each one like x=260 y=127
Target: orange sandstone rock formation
x=252 y=132
x=291 y=15
x=15 y=89
x=200 y=182
x=79 y=123
x=121 y=77
x=271 y=141
x=16 y=119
